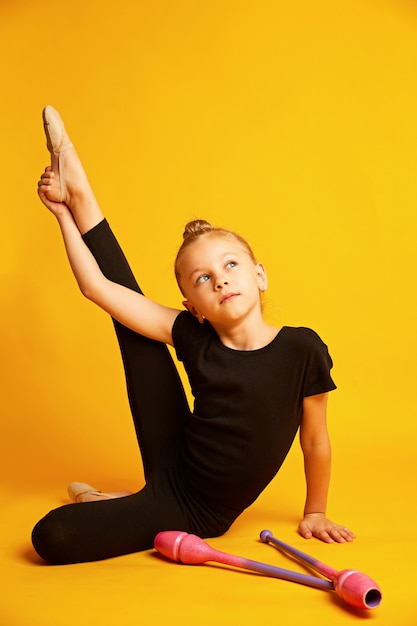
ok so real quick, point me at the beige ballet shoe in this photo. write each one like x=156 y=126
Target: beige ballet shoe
x=54 y=131
x=77 y=490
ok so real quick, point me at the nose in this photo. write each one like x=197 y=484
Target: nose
x=220 y=284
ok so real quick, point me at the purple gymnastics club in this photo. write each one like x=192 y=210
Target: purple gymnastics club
x=354 y=587
x=190 y=549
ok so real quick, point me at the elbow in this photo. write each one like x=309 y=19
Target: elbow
x=313 y=445
x=95 y=291
x=88 y=291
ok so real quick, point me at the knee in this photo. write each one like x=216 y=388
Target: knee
x=51 y=541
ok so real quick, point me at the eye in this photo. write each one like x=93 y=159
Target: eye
x=231 y=264
x=202 y=279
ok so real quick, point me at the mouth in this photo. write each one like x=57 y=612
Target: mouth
x=228 y=297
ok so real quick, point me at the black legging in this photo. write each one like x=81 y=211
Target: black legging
x=97 y=530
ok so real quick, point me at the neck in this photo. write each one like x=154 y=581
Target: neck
x=247 y=337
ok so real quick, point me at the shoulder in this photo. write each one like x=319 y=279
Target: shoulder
x=303 y=337
x=310 y=354
x=187 y=333
x=186 y=321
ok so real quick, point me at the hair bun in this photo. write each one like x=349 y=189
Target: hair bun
x=195 y=228
x=200 y=228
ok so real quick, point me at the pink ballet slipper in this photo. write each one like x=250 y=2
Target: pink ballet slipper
x=77 y=490
x=56 y=142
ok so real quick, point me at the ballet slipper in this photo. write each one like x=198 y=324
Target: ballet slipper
x=77 y=490
x=55 y=142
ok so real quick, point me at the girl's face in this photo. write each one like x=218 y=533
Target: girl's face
x=220 y=280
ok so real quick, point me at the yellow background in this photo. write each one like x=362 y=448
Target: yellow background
x=293 y=123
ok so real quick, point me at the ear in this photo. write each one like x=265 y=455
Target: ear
x=191 y=309
x=262 y=277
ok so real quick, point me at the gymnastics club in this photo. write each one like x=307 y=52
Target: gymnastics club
x=354 y=587
x=191 y=550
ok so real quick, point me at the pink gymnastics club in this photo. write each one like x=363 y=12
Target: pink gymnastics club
x=190 y=549
x=354 y=587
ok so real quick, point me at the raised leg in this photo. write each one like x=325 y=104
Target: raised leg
x=102 y=529
x=156 y=395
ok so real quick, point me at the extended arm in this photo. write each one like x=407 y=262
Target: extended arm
x=132 y=309
x=315 y=444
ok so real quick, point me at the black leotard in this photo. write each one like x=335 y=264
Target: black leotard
x=248 y=406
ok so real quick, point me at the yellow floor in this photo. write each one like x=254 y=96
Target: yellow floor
x=143 y=588
x=293 y=123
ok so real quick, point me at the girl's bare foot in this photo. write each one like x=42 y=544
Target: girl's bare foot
x=69 y=184
x=82 y=492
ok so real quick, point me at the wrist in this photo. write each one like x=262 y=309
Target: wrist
x=62 y=214
x=315 y=514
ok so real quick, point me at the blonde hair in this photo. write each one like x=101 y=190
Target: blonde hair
x=200 y=228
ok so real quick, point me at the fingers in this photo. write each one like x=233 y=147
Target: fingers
x=343 y=534
x=305 y=531
x=47 y=173
x=338 y=534
x=326 y=531
x=46 y=177
x=49 y=192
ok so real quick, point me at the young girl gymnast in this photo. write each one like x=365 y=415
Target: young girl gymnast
x=254 y=385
